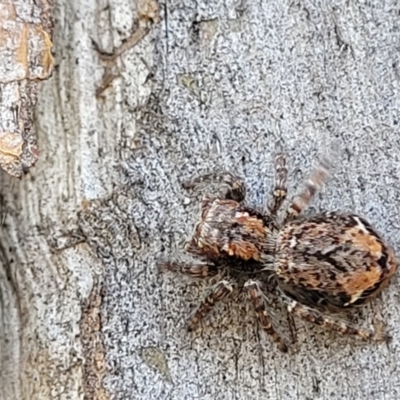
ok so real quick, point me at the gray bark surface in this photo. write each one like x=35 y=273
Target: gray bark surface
x=210 y=86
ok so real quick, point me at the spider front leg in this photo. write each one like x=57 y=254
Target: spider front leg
x=314 y=183
x=220 y=291
x=257 y=298
x=280 y=189
x=315 y=316
x=235 y=187
x=193 y=269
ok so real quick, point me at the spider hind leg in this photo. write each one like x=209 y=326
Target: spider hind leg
x=257 y=298
x=343 y=327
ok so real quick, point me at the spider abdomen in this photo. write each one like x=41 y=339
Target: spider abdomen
x=333 y=260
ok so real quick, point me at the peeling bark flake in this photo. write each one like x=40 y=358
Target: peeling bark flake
x=25 y=59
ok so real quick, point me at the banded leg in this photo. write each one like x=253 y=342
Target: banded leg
x=280 y=189
x=315 y=316
x=256 y=296
x=316 y=180
x=219 y=292
x=194 y=269
x=235 y=187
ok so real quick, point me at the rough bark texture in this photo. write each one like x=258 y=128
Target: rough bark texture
x=211 y=85
x=25 y=59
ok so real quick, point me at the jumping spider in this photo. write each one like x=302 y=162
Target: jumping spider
x=331 y=261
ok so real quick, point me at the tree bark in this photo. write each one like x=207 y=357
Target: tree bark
x=198 y=87
x=25 y=59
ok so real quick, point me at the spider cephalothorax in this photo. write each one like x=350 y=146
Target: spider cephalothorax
x=229 y=229
x=326 y=262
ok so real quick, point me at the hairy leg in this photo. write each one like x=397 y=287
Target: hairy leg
x=235 y=187
x=343 y=327
x=257 y=298
x=316 y=180
x=194 y=269
x=219 y=292
x=279 y=191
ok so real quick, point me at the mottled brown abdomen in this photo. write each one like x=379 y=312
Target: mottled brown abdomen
x=333 y=261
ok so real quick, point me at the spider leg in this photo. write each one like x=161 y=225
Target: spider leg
x=194 y=269
x=256 y=296
x=235 y=187
x=315 y=316
x=314 y=183
x=280 y=188
x=219 y=292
